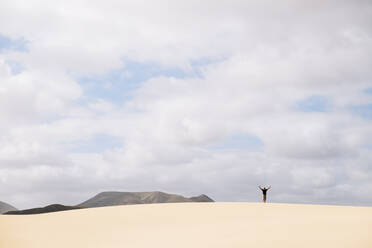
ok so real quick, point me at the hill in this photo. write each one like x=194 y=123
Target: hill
x=111 y=199
x=5 y=207
x=47 y=209
x=128 y=198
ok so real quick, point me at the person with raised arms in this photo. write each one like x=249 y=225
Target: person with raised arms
x=264 y=191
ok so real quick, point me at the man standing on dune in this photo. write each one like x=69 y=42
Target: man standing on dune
x=264 y=190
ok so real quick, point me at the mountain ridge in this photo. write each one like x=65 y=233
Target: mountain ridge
x=47 y=209
x=115 y=198
x=5 y=207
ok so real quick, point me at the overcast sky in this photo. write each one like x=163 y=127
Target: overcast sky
x=186 y=97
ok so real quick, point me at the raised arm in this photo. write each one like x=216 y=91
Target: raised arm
x=260 y=187
x=269 y=187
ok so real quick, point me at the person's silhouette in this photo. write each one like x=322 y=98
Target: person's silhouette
x=264 y=190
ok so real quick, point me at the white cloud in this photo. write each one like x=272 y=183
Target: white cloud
x=264 y=58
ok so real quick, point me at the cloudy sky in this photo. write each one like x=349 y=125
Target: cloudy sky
x=186 y=97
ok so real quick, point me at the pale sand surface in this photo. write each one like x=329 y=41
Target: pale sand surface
x=179 y=225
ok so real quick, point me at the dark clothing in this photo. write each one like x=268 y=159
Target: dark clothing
x=264 y=191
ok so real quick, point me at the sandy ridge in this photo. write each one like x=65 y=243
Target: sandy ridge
x=193 y=225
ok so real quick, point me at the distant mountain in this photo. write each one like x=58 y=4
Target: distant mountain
x=5 y=207
x=128 y=198
x=201 y=198
x=47 y=209
x=109 y=199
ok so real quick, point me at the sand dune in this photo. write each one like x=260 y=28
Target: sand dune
x=179 y=225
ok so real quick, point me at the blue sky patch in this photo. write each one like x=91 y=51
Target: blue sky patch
x=368 y=91
x=364 y=111
x=238 y=142
x=7 y=43
x=314 y=103
x=15 y=67
x=98 y=143
x=369 y=147
x=117 y=85
x=198 y=64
